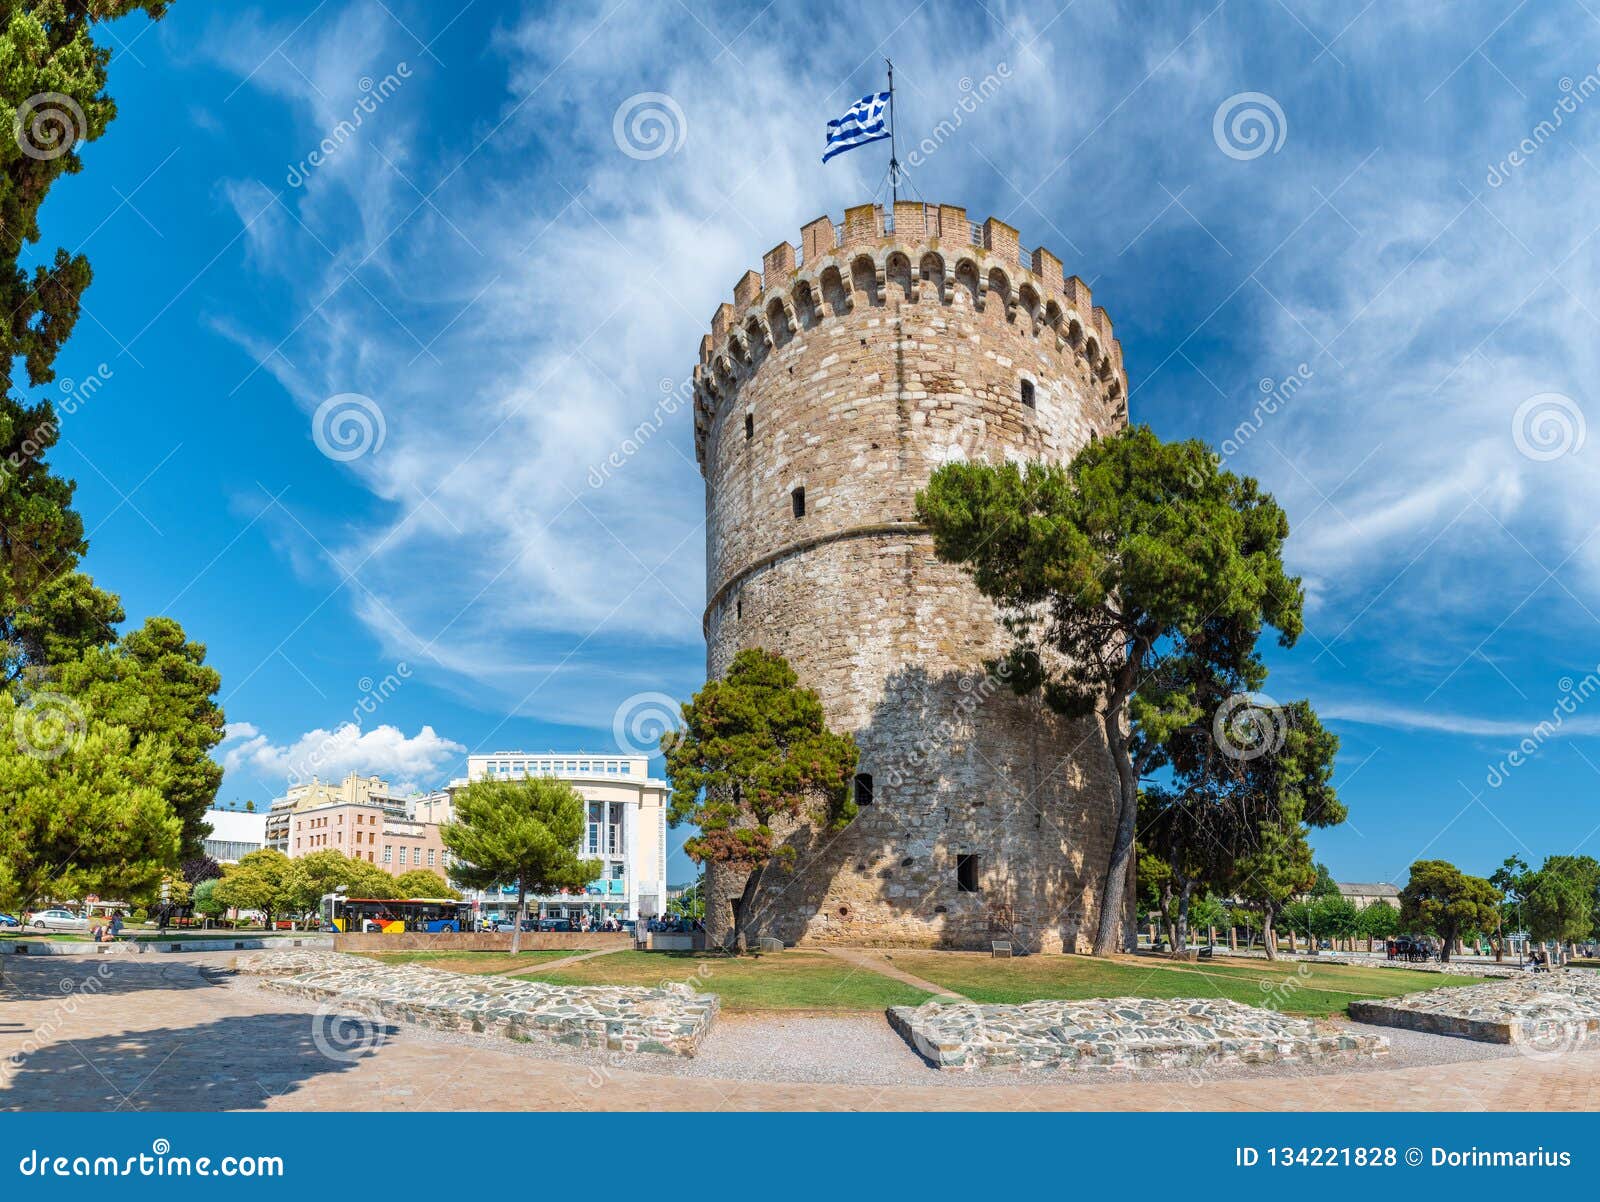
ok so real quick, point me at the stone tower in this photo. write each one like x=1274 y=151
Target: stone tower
x=826 y=394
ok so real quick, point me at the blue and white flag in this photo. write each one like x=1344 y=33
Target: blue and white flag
x=864 y=122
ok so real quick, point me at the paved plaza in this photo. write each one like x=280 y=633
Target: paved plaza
x=178 y=1032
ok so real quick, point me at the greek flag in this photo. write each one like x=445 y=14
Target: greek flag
x=864 y=122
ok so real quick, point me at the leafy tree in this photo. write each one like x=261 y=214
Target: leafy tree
x=691 y=903
x=1560 y=900
x=52 y=101
x=1299 y=916
x=1380 y=920
x=756 y=750
x=259 y=881
x=1110 y=570
x=81 y=810
x=205 y=901
x=200 y=868
x=1442 y=900
x=1326 y=886
x=1249 y=920
x=1335 y=917
x=1208 y=912
x=525 y=831
x=420 y=882
x=1513 y=878
x=249 y=807
x=155 y=681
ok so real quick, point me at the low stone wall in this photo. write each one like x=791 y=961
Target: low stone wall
x=1543 y=1012
x=1119 y=1033
x=480 y=941
x=668 y=1020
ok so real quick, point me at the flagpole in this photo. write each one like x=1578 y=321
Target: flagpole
x=894 y=161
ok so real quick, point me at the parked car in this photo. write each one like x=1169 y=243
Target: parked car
x=9 y=920
x=555 y=924
x=59 y=920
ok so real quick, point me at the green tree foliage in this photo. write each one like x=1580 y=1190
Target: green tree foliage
x=420 y=882
x=1380 y=920
x=1442 y=900
x=1109 y=571
x=260 y=881
x=1560 y=900
x=80 y=812
x=205 y=901
x=755 y=750
x=155 y=682
x=52 y=101
x=526 y=831
x=691 y=903
x=1513 y=878
x=1325 y=886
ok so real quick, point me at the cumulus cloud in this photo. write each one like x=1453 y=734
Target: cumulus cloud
x=410 y=763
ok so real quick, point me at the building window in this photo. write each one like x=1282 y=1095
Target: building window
x=967 y=874
x=1027 y=393
x=797 y=499
x=430 y=857
x=749 y=425
x=388 y=853
x=863 y=788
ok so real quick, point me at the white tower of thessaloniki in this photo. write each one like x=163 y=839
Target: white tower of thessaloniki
x=826 y=394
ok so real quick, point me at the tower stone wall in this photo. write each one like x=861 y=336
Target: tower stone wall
x=826 y=394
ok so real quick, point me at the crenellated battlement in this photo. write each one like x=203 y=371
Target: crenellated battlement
x=935 y=254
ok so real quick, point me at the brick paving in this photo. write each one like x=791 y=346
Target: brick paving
x=137 y=1033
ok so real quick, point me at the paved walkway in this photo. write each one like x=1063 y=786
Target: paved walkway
x=879 y=963
x=164 y=1033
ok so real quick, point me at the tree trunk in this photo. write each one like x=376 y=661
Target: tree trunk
x=1182 y=942
x=1269 y=935
x=1445 y=940
x=741 y=912
x=1113 y=933
x=516 y=924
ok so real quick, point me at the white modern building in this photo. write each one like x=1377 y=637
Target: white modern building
x=626 y=830
x=234 y=834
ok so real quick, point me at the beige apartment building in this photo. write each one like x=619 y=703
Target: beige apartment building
x=360 y=817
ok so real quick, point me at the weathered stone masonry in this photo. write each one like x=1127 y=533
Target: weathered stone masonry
x=825 y=396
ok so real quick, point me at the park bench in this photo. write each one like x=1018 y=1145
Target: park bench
x=1000 y=949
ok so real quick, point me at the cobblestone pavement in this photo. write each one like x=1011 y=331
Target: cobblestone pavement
x=174 y=1033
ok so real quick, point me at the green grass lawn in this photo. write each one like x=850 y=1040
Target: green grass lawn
x=791 y=980
x=469 y=962
x=1294 y=987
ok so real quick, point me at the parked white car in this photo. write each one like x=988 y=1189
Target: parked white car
x=58 y=920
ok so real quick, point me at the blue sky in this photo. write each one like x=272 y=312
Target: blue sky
x=513 y=295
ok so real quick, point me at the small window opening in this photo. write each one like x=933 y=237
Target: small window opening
x=1027 y=393
x=798 y=499
x=738 y=606
x=863 y=788
x=967 y=874
x=749 y=425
